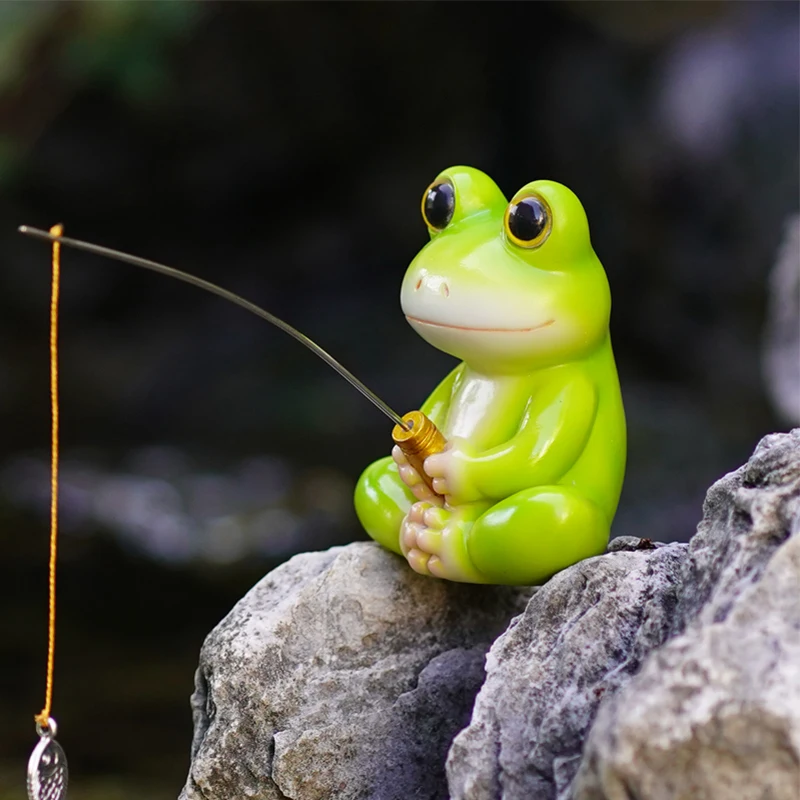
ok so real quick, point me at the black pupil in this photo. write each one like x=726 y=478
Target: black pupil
x=440 y=202
x=527 y=219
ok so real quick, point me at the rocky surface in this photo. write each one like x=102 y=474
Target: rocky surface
x=582 y=637
x=341 y=674
x=654 y=672
x=715 y=713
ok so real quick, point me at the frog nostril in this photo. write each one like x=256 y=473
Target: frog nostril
x=446 y=290
x=419 y=283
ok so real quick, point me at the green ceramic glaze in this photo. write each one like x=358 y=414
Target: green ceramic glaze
x=533 y=414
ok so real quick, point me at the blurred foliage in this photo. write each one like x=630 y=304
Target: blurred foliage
x=122 y=41
x=21 y=24
x=125 y=43
x=50 y=49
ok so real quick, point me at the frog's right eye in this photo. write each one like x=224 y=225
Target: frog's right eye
x=438 y=204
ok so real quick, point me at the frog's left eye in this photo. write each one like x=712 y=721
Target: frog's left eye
x=528 y=221
x=438 y=204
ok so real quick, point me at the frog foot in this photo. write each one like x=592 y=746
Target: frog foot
x=433 y=540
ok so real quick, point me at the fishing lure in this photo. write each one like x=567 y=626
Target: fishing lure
x=47 y=768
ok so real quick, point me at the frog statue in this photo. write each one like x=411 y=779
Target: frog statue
x=530 y=478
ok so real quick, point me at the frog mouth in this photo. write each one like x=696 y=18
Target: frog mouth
x=482 y=330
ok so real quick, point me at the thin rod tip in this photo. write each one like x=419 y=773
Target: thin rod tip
x=37 y=233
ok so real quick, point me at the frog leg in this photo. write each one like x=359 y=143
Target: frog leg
x=528 y=537
x=382 y=501
x=433 y=540
x=522 y=540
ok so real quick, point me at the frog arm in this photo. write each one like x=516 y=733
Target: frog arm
x=552 y=435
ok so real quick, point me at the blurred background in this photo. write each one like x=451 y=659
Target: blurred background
x=281 y=150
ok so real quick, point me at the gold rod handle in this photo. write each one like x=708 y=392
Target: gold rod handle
x=421 y=439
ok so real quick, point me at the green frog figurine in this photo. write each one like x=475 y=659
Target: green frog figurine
x=532 y=472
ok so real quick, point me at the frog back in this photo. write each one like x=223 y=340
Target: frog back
x=599 y=471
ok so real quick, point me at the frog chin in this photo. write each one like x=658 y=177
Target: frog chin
x=491 y=349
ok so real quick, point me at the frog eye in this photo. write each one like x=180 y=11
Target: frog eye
x=528 y=221
x=438 y=204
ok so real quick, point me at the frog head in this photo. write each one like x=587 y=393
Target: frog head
x=506 y=286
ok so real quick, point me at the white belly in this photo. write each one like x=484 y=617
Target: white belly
x=472 y=407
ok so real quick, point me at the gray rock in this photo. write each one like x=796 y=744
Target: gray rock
x=341 y=674
x=345 y=675
x=715 y=713
x=582 y=637
x=781 y=361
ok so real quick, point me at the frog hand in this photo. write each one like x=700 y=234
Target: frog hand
x=413 y=480
x=448 y=470
x=433 y=540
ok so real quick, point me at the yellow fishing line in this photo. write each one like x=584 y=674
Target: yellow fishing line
x=44 y=716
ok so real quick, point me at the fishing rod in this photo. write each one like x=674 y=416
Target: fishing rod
x=414 y=432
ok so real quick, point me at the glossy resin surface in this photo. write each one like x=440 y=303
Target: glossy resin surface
x=532 y=472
